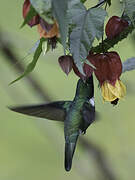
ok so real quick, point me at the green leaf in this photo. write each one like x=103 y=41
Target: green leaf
x=129 y=9
x=29 y=16
x=88 y=25
x=32 y=65
x=59 y=8
x=44 y=9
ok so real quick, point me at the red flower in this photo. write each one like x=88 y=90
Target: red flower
x=108 y=66
x=115 y=26
x=26 y=8
x=108 y=71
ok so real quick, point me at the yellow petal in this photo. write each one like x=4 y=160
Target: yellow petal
x=106 y=93
x=110 y=93
x=119 y=90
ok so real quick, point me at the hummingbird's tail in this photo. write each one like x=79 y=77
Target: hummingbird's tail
x=69 y=152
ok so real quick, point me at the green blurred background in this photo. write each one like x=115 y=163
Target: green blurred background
x=32 y=148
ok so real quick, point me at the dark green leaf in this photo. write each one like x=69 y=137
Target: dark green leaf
x=88 y=25
x=59 y=8
x=32 y=65
x=29 y=16
x=44 y=8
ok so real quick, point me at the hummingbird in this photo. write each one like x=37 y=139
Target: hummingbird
x=77 y=115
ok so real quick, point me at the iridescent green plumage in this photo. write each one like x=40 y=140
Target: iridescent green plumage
x=75 y=123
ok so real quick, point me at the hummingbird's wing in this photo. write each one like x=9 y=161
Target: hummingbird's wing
x=53 y=111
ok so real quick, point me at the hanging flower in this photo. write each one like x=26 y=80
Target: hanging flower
x=115 y=26
x=108 y=71
x=45 y=30
x=26 y=8
x=49 y=32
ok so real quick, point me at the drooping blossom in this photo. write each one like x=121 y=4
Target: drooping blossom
x=108 y=71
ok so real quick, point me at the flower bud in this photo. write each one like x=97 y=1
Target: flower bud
x=115 y=26
x=66 y=63
x=26 y=8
